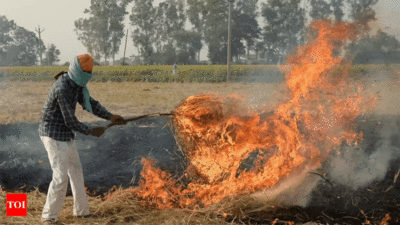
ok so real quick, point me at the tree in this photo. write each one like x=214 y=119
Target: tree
x=117 y=29
x=87 y=35
x=194 y=43
x=337 y=6
x=160 y=34
x=284 y=28
x=320 y=9
x=259 y=48
x=143 y=17
x=6 y=28
x=380 y=48
x=196 y=14
x=174 y=17
x=361 y=11
x=18 y=46
x=40 y=44
x=28 y=52
x=169 y=55
x=66 y=64
x=52 y=55
x=247 y=15
x=244 y=28
x=171 y=26
x=187 y=44
x=102 y=32
x=159 y=27
x=214 y=27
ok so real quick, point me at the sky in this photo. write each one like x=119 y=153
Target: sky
x=57 y=19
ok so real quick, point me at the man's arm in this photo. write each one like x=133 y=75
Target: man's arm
x=69 y=115
x=97 y=108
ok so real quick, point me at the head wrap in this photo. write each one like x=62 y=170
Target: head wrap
x=86 y=62
x=79 y=74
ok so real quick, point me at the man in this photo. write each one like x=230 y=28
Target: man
x=174 y=69
x=55 y=129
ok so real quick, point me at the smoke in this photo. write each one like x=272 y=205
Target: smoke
x=359 y=166
x=294 y=190
x=355 y=167
x=386 y=13
x=267 y=74
x=266 y=88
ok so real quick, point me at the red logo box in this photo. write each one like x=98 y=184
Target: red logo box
x=16 y=204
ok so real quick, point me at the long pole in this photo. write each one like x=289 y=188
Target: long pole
x=229 y=44
x=126 y=40
x=141 y=117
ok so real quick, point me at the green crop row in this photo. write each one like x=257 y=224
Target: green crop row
x=187 y=73
x=161 y=73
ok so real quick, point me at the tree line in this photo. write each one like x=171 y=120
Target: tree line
x=21 y=47
x=161 y=35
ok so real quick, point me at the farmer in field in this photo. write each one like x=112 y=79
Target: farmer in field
x=55 y=129
x=174 y=69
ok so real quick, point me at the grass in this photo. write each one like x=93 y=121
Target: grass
x=148 y=73
x=185 y=74
x=120 y=208
x=25 y=99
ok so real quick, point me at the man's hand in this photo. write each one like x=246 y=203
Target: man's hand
x=118 y=120
x=97 y=131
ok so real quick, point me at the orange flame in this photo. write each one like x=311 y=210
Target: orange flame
x=385 y=220
x=217 y=135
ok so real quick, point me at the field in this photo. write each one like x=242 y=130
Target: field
x=25 y=100
x=152 y=73
x=26 y=91
x=162 y=73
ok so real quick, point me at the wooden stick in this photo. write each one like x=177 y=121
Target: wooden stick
x=140 y=117
x=322 y=177
x=394 y=181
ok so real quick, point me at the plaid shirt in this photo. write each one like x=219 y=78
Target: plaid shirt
x=58 y=119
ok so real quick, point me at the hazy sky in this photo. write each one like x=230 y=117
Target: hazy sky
x=57 y=18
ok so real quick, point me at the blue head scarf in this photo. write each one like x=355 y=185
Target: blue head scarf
x=81 y=78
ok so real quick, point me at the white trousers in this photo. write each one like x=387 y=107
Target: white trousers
x=64 y=161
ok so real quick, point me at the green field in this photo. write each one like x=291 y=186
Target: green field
x=159 y=73
x=163 y=73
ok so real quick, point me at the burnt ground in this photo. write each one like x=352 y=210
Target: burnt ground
x=375 y=189
x=356 y=186
x=112 y=159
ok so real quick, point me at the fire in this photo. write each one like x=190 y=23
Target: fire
x=385 y=220
x=217 y=134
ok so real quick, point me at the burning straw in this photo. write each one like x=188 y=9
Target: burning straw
x=217 y=133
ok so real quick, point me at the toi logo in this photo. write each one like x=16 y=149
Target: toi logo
x=16 y=204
